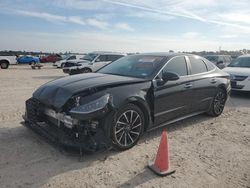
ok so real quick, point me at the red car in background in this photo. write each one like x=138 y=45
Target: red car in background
x=51 y=58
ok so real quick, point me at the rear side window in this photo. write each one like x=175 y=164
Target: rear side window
x=210 y=66
x=197 y=65
x=177 y=65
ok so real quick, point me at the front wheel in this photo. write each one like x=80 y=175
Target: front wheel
x=62 y=65
x=86 y=70
x=218 y=103
x=127 y=127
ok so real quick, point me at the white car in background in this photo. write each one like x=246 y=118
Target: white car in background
x=239 y=70
x=68 y=58
x=91 y=62
x=5 y=61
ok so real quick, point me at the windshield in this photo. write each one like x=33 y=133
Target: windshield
x=212 y=58
x=240 y=62
x=90 y=57
x=139 y=66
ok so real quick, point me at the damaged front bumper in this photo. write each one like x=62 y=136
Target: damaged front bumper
x=85 y=135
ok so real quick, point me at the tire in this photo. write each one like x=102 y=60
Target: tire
x=86 y=70
x=4 y=64
x=218 y=103
x=126 y=127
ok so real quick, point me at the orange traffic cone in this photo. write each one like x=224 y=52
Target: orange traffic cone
x=161 y=165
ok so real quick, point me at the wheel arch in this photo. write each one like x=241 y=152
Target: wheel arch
x=223 y=87
x=5 y=61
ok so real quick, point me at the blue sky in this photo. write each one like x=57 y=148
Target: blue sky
x=124 y=25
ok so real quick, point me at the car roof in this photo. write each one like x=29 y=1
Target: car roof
x=107 y=53
x=166 y=54
x=216 y=55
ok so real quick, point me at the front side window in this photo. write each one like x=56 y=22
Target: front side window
x=197 y=65
x=177 y=65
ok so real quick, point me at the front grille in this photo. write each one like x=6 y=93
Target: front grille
x=33 y=110
x=239 y=78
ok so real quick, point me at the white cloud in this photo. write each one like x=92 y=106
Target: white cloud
x=76 y=20
x=124 y=26
x=97 y=23
x=206 y=11
x=42 y=15
x=64 y=19
x=229 y=36
x=191 y=35
x=236 y=17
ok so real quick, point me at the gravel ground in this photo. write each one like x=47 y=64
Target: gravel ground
x=204 y=151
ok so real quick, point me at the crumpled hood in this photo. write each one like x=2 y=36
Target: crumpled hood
x=57 y=92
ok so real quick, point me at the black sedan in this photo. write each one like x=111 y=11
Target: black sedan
x=115 y=105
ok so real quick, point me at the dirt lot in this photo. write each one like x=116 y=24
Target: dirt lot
x=204 y=151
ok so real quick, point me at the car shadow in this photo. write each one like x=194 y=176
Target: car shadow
x=175 y=126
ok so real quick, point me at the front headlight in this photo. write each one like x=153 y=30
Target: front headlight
x=92 y=106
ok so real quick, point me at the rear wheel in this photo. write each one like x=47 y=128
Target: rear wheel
x=218 y=103
x=127 y=127
x=4 y=64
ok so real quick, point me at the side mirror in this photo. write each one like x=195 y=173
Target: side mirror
x=219 y=62
x=97 y=60
x=170 y=76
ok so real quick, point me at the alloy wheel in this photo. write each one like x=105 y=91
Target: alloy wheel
x=128 y=128
x=219 y=102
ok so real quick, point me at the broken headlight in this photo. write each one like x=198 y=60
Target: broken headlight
x=92 y=106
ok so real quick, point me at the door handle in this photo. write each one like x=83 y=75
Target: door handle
x=213 y=80
x=188 y=85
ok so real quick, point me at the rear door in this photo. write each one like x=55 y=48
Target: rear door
x=204 y=83
x=172 y=99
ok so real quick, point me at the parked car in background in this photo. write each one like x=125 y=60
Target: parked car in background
x=220 y=61
x=68 y=58
x=117 y=104
x=5 y=61
x=27 y=59
x=239 y=70
x=51 y=58
x=91 y=62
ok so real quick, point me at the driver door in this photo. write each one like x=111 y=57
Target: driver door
x=172 y=99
